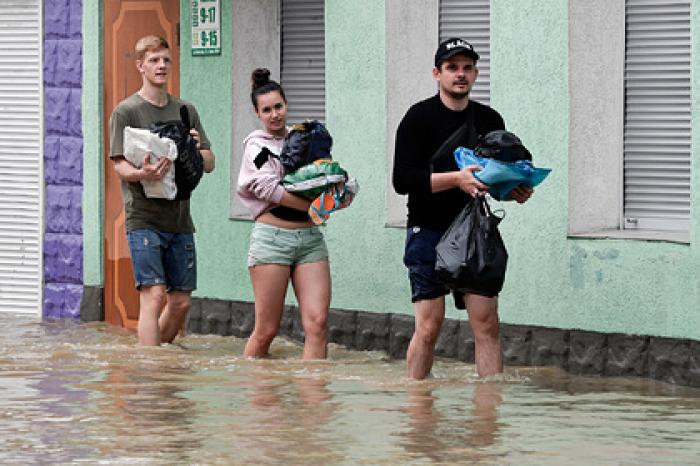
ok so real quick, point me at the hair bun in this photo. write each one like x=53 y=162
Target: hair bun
x=260 y=77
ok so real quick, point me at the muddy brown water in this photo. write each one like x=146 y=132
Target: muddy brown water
x=86 y=394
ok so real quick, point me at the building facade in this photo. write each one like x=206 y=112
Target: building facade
x=604 y=268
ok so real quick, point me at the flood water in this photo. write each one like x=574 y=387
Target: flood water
x=86 y=394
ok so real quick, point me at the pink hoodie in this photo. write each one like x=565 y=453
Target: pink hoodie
x=260 y=189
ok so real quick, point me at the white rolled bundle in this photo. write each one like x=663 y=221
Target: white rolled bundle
x=139 y=142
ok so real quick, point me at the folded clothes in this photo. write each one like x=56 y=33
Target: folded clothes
x=306 y=142
x=314 y=178
x=313 y=174
x=501 y=177
x=333 y=199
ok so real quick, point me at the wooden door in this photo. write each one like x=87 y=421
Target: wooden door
x=126 y=21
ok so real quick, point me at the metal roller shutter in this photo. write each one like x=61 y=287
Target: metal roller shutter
x=470 y=20
x=303 y=59
x=21 y=168
x=657 y=149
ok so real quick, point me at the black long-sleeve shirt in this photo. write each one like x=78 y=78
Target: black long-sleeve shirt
x=421 y=132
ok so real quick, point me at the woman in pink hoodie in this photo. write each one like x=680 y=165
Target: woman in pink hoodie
x=284 y=243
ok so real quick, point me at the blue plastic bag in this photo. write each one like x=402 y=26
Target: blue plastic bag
x=502 y=177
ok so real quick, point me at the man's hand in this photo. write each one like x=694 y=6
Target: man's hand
x=154 y=171
x=195 y=135
x=207 y=154
x=520 y=194
x=469 y=184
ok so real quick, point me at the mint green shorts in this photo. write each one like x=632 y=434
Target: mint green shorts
x=284 y=246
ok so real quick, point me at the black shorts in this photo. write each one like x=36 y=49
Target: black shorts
x=419 y=257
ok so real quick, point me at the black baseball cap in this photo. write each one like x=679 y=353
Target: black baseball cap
x=451 y=47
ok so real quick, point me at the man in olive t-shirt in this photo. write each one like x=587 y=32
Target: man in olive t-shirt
x=160 y=232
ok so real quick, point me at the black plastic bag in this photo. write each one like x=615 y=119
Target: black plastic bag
x=471 y=255
x=189 y=165
x=305 y=143
x=502 y=145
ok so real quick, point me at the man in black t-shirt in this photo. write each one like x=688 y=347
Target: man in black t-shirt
x=437 y=191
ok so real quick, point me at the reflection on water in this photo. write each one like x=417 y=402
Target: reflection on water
x=442 y=435
x=72 y=393
x=291 y=415
x=146 y=398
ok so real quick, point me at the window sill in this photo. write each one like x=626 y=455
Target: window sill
x=682 y=237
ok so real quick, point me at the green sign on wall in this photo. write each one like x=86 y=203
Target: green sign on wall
x=206 y=27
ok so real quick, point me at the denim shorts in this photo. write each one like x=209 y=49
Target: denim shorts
x=419 y=257
x=285 y=246
x=160 y=258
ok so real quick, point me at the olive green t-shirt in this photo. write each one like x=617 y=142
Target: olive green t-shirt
x=143 y=212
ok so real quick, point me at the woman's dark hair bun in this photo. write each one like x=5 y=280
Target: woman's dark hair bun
x=262 y=84
x=260 y=77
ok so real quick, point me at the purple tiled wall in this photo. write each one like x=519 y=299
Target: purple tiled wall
x=63 y=159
